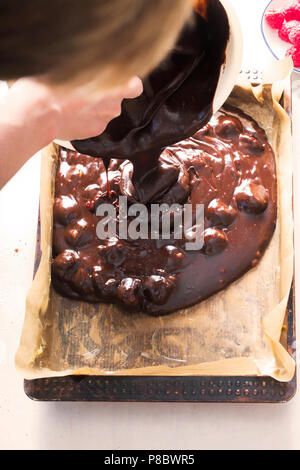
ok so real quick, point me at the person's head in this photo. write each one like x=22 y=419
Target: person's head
x=75 y=41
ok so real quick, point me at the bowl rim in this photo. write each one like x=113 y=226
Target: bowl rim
x=234 y=57
x=262 y=27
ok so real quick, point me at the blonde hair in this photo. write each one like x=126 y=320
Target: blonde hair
x=75 y=41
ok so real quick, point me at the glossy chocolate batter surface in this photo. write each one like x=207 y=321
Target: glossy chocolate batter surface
x=228 y=166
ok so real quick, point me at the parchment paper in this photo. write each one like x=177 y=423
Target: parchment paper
x=235 y=332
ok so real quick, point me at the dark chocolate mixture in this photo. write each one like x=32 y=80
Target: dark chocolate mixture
x=176 y=102
x=228 y=166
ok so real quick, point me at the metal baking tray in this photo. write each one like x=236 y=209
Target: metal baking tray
x=233 y=389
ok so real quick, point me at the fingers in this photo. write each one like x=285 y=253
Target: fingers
x=134 y=88
x=110 y=107
x=82 y=115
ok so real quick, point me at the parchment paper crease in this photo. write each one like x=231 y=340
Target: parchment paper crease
x=236 y=332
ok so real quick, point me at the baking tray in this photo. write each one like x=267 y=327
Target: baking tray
x=210 y=389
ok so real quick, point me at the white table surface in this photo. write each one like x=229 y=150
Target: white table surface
x=31 y=425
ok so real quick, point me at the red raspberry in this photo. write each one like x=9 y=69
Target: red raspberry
x=294 y=36
x=295 y=54
x=275 y=18
x=292 y=12
x=286 y=29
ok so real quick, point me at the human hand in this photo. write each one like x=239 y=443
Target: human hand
x=66 y=114
x=33 y=114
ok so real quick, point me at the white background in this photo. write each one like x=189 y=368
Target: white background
x=30 y=425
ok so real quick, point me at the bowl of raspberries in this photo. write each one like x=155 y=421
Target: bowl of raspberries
x=281 y=29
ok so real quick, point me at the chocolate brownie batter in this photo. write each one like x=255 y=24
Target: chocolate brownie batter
x=228 y=166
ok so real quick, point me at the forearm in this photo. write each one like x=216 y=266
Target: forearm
x=27 y=124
